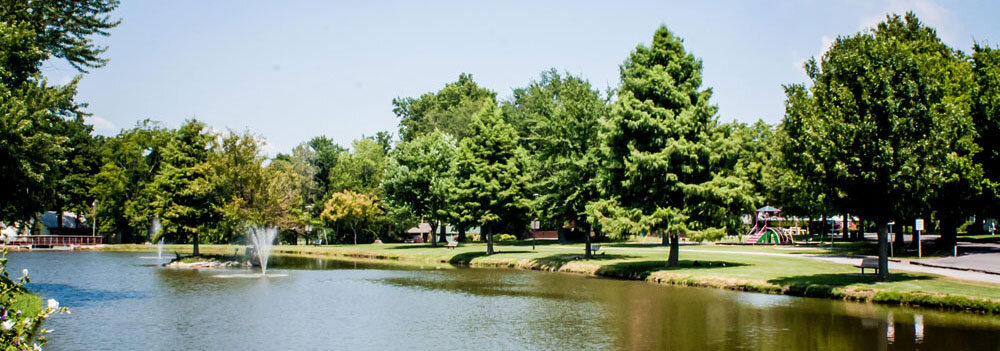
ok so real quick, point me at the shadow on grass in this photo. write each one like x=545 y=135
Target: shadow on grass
x=822 y=285
x=642 y=269
x=642 y=245
x=417 y=246
x=466 y=257
x=850 y=248
x=527 y=242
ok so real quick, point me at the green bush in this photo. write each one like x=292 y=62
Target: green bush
x=964 y=228
x=19 y=323
x=503 y=237
x=709 y=234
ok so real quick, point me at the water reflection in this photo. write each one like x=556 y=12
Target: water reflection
x=74 y=296
x=120 y=304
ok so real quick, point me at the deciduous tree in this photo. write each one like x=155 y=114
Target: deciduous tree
x=449 y=110
x=420 y=178
x=888 y=122
x=352 y=209
x=559 y=121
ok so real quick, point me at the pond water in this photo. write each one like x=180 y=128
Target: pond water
x=125 y=301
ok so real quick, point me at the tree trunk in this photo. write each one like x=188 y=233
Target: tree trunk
x=883 y=250
x=461 y=234
x=822 y=225
x=674 y=251
x=949 y=232
x=861 y=229
x=977 y=226
x=898 y=232
x=665 y=238
x=844 y=224
x=195 y=252
x=355 y=232
x=444 y=235
x=59 y=223
x=913 y=235
x=433 y=233
x=489 y=239
x=587 y=253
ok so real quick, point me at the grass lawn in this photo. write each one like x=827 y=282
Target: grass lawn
x=701 y=265
x=28 y=303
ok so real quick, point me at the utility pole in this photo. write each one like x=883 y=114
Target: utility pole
x=93 y=226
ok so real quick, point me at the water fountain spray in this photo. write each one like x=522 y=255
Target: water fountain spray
x=263 y=239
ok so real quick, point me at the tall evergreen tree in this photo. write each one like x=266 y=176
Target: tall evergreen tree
x=490 y=168
x=184 y=185
x=663 y=151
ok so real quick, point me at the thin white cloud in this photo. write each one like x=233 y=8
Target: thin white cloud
x=825 y=42
x=267 y=147
x=930 y=13
x=101 y=125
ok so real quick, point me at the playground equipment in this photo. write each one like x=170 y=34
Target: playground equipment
x=761 y=233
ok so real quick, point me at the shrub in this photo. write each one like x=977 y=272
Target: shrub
x=964 y=228
x=709 y=234
x=503 y=237
x=18 y=326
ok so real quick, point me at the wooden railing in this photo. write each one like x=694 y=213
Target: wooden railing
x=57 y=240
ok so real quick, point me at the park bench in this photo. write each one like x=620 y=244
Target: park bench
x=868 y=263
x=452 y=244
x=594 y=248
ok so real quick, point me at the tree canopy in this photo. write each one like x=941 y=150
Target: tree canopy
x=559 y=118
x=663 y=151
x=449 y=110
x=867 y=121
x=420 y=177
x=491 y=188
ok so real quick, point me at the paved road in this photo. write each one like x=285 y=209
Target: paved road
x=983 y=257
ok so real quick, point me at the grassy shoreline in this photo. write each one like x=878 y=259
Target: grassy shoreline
x=702 y=266
x=28 y=303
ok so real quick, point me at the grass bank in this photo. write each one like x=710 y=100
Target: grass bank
x=28 y=303
x=722 y=267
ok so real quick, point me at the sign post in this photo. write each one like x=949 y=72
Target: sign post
x=918 y=226
x=534 y=228
x=93 y=225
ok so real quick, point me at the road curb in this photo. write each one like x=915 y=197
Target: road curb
x=918 y=263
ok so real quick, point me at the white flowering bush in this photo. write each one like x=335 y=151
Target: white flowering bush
x=20 y=330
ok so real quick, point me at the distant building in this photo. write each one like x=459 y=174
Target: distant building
x=419 y=234
x=72 y=224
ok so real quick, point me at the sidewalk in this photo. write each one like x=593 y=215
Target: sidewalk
x=993 y=261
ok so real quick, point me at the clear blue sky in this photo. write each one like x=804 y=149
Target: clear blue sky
x=291 y=70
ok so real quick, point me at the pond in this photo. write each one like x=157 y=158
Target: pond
x=126 y=301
